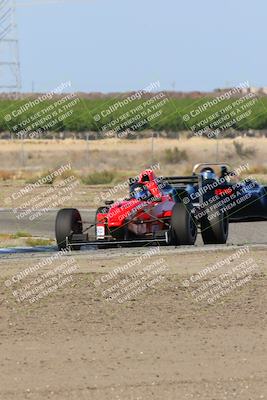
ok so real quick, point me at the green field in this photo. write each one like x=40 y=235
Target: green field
x=160 y=114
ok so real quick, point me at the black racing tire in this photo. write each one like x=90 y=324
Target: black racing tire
x=183 y=226
x=214 y=227
x=171 y=237
x=68 y=221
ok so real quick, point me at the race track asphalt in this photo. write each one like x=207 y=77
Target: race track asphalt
x=43 y=226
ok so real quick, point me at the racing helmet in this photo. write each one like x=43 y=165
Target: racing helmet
x=140 y=192
x=224 y=171
x=208 y=173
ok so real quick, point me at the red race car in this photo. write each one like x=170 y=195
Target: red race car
x=158 y=210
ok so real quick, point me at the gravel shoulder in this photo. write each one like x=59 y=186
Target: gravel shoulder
x=159 y=344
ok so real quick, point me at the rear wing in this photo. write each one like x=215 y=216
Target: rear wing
x=203 y=165
x=197 y=178
x=178 y=181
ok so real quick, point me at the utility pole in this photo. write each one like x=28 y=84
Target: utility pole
x=10 y=77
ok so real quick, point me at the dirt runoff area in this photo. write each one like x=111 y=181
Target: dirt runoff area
x=132 y=325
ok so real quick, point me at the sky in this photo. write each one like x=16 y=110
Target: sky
x=123 y=45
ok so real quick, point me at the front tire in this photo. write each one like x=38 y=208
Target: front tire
x=215 y=228
x=183 y=225
x=68 y=221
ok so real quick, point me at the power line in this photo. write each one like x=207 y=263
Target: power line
x=10 y=77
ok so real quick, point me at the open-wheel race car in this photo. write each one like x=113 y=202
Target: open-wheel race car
x=169 y=210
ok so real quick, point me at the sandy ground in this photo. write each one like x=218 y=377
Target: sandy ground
x=159 y=344
x=82 y=197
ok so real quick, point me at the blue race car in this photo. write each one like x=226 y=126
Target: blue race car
x=211 y=200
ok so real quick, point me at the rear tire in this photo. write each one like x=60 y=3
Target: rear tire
x=215 y=230
x=183 y=225
x=68 y=221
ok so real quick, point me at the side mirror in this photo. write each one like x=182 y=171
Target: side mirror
x=109 y=202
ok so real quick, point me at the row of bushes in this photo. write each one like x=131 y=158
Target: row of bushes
x=98 y=116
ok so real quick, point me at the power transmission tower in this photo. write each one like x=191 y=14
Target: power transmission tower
x=10 y=77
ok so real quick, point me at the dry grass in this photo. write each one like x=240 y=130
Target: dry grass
x=123 y=158
x=121 y=155
x=22 y=239
x=258 y=169
x=35 y=242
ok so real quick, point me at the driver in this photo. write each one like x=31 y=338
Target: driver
x=208 y=173
x=224 y=171
x=140 y=192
